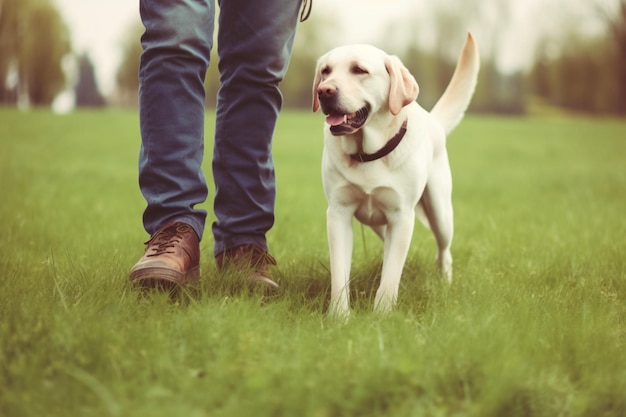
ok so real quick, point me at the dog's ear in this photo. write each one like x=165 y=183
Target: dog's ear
x=316 y=84
x=403 y=88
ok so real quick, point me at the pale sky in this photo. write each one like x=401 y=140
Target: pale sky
x=100 y=27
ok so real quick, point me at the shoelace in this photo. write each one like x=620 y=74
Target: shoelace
x=166 y=239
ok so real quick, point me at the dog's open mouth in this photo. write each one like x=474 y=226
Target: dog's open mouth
x=345 y=124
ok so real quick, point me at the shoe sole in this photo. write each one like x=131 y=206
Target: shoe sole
x=262 y=282
x=164 y=278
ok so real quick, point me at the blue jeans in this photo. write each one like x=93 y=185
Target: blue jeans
x=255 y=39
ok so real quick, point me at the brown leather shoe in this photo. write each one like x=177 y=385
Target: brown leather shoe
x=172 y=257
x=252 y=261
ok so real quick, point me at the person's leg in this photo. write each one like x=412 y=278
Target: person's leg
x=177 y=44
x=254 y=45
x=176 y=50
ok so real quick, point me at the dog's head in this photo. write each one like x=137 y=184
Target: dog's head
x=355 y=83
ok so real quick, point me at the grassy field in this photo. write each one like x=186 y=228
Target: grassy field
x=533 y=325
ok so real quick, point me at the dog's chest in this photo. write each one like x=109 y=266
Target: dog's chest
x=374 y=208
x=373 y=199
x=373 y=191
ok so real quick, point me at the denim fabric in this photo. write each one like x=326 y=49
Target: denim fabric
x=255 y=39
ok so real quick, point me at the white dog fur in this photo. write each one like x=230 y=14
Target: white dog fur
x=367 y=96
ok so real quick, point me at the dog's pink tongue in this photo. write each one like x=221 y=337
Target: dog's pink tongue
x=335 y=120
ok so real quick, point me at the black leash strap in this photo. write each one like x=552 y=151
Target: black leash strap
x=307 y=6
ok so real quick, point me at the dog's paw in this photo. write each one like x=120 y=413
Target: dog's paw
x=444 y=262
x=384 y=302
x=340 y=314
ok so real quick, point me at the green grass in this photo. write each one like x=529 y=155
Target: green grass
x=533 y=325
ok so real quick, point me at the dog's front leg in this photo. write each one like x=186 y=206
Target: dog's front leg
x=397 y=242
x=340 y=240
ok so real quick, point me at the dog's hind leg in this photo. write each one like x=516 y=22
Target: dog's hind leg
x=437 y=205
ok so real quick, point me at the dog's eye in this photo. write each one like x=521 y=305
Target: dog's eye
x=325 y=70
x=359 y=70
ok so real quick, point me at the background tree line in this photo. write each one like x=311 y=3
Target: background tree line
x=588 y=74
x=575 y=71
x=33 y=43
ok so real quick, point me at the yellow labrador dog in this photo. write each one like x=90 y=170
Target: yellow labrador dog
x=385 y=159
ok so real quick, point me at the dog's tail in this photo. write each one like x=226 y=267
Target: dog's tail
x=450 y=108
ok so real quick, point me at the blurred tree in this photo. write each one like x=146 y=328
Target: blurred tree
x=496 y=92
x=431 y=71
x=33 y=67
x=128 y=71
x=618 y=30
x=87 y=92
x=585 y=73
x=10 y=15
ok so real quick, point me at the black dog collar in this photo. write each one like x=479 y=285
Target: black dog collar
x=385 y=150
